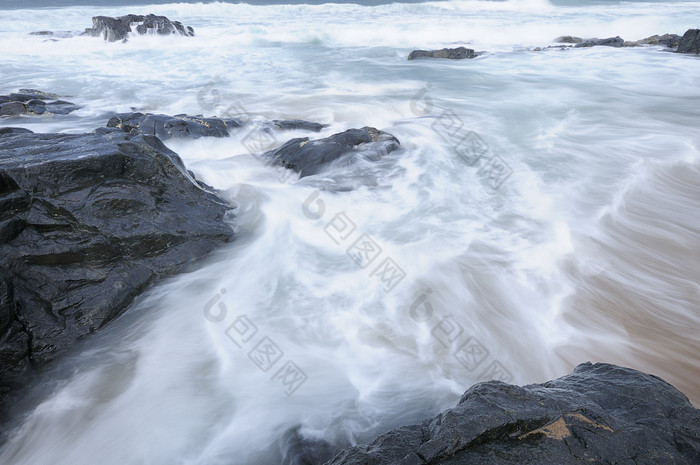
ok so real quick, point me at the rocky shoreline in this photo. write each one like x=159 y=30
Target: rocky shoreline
x=89 y=221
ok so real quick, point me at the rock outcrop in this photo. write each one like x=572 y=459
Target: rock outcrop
x=690 y=42
x=185 y=126
x=459 y=53
x=115 y=29
x=87 y=222
x=667 y=40
x=598 y=414
x=609 y=42
x=34 y=102
x=308 y=157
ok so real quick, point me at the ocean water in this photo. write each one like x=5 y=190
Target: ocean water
x=544 y=210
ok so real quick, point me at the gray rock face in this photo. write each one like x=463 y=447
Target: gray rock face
x=34 y=102
x=87 y=222
x=115 y=29
x=308 y=157
x=598 y=414
x=690 y=42
x=459 y=53
x=609 y=42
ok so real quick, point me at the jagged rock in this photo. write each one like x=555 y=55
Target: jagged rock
x=609 y=42
x=34 y=102
x=568 y=40
x=308 y=157
x=690 y=42
x=87 y=222
x=458 y=53
x=600 y=413
x=116 y=29
x=667 y=40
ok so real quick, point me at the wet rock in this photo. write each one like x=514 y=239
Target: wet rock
x=600 y=413
x=568 y=40
x=185 y=126
x=13 y=109
x=118 y=29
x=34 y=102
x=288 y=125
x=308 y=157
x=458 y=53
x=87 y=222
x=667 y=40
x=609 y=42
x=690 y=42
x=165 y=127
x=9 y=130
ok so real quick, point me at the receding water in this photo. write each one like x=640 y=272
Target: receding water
x=575 y=236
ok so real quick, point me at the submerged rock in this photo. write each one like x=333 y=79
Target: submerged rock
x=87 y=222
x=34 y=102
x=115 y=29
x=609 y=42
x=690 y=42
x=308 y=157
x=458 y=53
x=600 y=413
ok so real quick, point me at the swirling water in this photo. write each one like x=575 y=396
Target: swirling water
x=588 y=250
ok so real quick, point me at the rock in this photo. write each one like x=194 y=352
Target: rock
x=609 y=42
x=116 y=29
x=165 y=126
x=6 y=130
x=87 y=222
x=600 y=413
x=13 y=109
x=34 y=102
x=310 y=157
x=568 y=40
x=667 y=40
x=288 y=125
x=185 y=126
x=458 y=53
x=690 y=42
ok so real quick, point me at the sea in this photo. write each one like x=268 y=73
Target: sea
x=543 y=211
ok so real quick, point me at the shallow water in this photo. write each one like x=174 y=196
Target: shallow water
x=576 y=236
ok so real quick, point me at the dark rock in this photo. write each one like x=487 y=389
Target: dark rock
x=4 y=131
x=87 y=222
x=36 y=106
x=667 y=40
x=13 y=109
x=308 y=157
x=287 y=125
x=568 y=40
x=37 y=94
x=116 y=29
x=609 y=42
x=600 y=413
x=458 y=53
x=690 y=42
x=34 y=102
x=41 y=33
x=165 y=126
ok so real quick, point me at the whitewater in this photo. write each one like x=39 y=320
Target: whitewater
x=577 y=239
